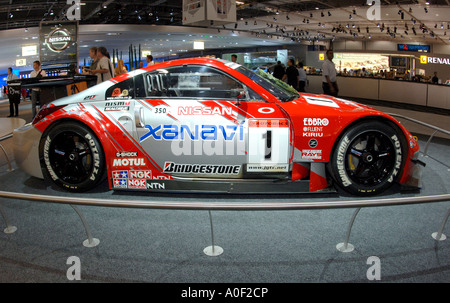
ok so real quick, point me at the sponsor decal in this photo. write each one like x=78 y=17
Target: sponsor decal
x=313 y=143
x=90 y=97
x=126 y=154
x=132 y=174
x=266 y=110
x=155 y=185
x=137 y=184
x=316 y=122
x=120 y=174
x=197 y=132
x=116 y=92
x=47 y=159
x=205 y=111
x=203 y=169
x=309 y=135
x=120 y=183
x=340 y=162
x=252 y=168
x=96 y=156
x=314 y=127
x=268 y=123
x=129 y=162
x=311 y=154
x=117 y=106
x=398 y=159
x=140 y=174
x=161 y=177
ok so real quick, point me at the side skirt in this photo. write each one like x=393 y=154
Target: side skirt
x=227 y=186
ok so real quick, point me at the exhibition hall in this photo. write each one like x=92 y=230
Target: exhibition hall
x=225 y=149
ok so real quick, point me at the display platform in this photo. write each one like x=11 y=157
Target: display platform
x=163 y=245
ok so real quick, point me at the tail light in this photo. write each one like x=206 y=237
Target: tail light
x=45 y=111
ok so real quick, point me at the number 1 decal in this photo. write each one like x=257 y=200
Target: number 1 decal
x=268 y=151
x=268 y=145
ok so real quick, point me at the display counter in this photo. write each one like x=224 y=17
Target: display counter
x=408 y=92
x=56 y=87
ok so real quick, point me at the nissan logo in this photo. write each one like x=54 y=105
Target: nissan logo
x=58 y=39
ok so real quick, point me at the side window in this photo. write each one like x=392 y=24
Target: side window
x=122 y=90
x=193 y=81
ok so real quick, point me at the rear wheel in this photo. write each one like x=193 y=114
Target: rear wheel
x=72 y=157
x=368 y=158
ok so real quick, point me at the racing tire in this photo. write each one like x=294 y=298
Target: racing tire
x=368 y=158
x=72 y=157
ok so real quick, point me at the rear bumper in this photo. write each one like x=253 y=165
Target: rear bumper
x=26 y=149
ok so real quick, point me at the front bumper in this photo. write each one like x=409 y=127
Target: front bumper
x=26 y=149
x=412 y=177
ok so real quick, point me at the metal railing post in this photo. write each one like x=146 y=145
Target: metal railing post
x=345 y=246
x=213 y=250
x=90 y=242
x=9 y=228
x=439 y=236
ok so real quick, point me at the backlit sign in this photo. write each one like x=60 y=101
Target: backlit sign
x=413 y=48
x=434 y=60
x=29 y=50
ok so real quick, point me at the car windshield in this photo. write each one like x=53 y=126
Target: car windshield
x=283 y=91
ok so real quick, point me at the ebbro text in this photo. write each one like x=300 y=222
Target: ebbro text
x=237 y=292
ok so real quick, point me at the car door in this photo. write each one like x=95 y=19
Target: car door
x=196 y=121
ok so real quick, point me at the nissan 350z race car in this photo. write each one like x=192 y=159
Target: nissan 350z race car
x=206 y=125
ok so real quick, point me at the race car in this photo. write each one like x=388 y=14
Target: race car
x=210 y=125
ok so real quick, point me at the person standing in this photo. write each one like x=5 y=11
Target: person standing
x=121 y=68
x=329 y=83
x=234 y=58
x=435 y=79
x=105 y=68
x=279 y=70
x=150 y=60
x=36 y=92
x=291 y=75
x=301 y=78
x=13 y=102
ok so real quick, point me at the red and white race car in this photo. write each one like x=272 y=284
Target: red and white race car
x=206 y=125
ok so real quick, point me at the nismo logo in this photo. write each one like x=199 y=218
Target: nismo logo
x=196 y=132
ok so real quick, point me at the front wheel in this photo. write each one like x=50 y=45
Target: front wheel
x=72 y=157
x=368 y=158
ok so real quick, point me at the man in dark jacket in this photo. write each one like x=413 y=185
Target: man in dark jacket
x=291 y=74
x=278 y=70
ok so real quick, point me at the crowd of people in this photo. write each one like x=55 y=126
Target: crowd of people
x=294 y=75
x=101 y=66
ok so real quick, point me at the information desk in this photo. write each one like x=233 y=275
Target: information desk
x=417 y=93
x=56 y=87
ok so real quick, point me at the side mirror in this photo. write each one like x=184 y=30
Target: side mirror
x=237 y=94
